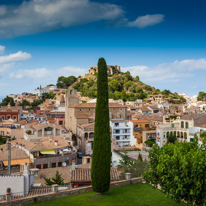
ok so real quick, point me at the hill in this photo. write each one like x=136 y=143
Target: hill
x=121 y=86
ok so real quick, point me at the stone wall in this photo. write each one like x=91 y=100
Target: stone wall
x=59 y=159
x=65 y=193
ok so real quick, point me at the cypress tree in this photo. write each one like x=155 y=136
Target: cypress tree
x=101 y=156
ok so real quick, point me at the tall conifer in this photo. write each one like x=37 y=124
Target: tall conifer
x=101 y=156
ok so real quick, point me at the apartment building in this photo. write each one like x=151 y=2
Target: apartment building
x=122 y=133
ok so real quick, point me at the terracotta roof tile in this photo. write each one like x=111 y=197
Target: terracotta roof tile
x=84 y=175
x=81 y=116
x=92 y=105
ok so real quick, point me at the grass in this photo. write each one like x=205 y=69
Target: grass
x=137 y=194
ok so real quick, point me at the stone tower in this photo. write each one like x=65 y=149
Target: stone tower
x=70 y=100
x=110 y=69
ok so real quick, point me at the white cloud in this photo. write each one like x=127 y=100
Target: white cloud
x=2 y=49
x=36 y=16
x=19 y=56
x=47 y=74
x=5 y=67
x=167 y=72
x=147 y=20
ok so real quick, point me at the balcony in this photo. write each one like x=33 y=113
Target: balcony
x=49 y=155
x=123 y=140
x=137 y=128
x=121 y=133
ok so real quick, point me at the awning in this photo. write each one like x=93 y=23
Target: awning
x=17 y=162
x=48 y=152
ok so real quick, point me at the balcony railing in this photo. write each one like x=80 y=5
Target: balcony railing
x=48 y=156
x=137 y=128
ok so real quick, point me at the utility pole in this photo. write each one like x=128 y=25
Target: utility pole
x=9 y=156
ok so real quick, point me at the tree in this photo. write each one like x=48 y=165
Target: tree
x=150 y=141
x=140 y=157
x=171 y=138
x=101 y=156
x=166 y=92
x=7 y=100
x=180 y=170
x=125 y=161
x=24 y=103
x=201 y=96
x=56 y=180
x=114 y=85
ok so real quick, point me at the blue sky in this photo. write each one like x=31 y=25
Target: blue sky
x=161 y=41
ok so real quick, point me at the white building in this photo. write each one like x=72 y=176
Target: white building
x=39 y=92
x=122 y=133
x=197 y=131
x=179 y=128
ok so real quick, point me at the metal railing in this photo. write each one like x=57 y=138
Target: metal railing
x=57 y=155
x=2 y=198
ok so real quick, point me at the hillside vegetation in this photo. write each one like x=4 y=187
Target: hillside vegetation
x=121 y=86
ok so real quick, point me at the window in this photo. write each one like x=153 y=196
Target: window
x=187 y=125
x=182 y=124
x=113 y=108
x=45 y=166
x=120 y=108
x=48 y=129
x=8 y=117
x=116 y=124
x=38 y=166
x=2 y=133
x=172 y=125
x=80 y=110
x=14 y=117
x=53 y=164
x=89 y=109
x=136 y=133
x=117 y=137
x=60 y=122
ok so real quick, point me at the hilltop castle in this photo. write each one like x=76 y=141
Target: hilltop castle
x=110 y=69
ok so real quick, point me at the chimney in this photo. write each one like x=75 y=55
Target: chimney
x=23 y=147
x=50 y=139
x=17 y=144
x=56 y=142
x=20 y=146
x=73 y=164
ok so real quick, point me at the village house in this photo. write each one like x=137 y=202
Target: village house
x=40 y=131
x=11 y=112
x=47 y=153
x=85 y=138
x=156 y=98
x=137 y=128
x=12 y=131
x=179 y=129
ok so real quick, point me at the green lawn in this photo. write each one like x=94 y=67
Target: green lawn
x=137 y=194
